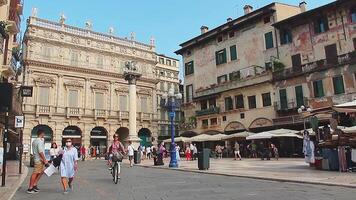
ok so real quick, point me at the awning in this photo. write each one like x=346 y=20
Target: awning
x=311 y=132
x=205 y=138
x=238 y=135
x=349 y=107
x=71 y=136
x=275 y=134
x=98 y=136
x=177 y=139
x=349 y=129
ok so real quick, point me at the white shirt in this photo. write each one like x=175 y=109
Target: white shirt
x=130 y=150
x=53 y=151
x=148 y=149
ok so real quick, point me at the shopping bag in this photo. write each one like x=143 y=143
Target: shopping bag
x=50 y=170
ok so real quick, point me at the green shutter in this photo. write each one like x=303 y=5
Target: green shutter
x=224 y=56
x=233 y=53
x=192 y=67
x=318 y=88
x=269 y=40
x=217 y=57
x=299 y=96
x=338 y=85
x=283 y=99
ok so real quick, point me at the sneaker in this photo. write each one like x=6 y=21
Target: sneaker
x=35 y=188
x=65 y=191
x=31 y=191
x=110 y=168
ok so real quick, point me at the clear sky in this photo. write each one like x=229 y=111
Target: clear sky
x=171 y=22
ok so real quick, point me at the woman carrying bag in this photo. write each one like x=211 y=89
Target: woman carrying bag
x=69 y=165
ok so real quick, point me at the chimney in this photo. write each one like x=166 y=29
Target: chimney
x=248 y=9
x=204 y=29
x=303 y=6
x=229 y=19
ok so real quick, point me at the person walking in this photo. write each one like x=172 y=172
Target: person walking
x=188 y=153
x=69 y=165
x=148 y=152
x=195 y=152
x=38 y=148
x=83 y=152
x=237 y=150
x=130 y=153
x=177 y=152
x=94 y=152
x=53 y=152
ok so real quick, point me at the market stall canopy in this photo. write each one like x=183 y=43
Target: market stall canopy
x=349 y=129
x=311 y=132
x=238 y=135
x=177 y=139
x=205 y=138
x=275 y=134
x=349 y=107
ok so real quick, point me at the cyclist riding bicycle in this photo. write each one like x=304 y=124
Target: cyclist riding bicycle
x=116 y=151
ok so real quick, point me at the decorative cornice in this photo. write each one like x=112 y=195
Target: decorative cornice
x=73 y=83
x=144 y=91
x=122 y=89
x=99 y=86
x=68 y=68
x=45 y=80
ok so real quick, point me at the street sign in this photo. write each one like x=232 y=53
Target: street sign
x=26 y=91
x=19 y=121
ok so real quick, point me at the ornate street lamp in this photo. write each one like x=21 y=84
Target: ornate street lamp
x=171 y=102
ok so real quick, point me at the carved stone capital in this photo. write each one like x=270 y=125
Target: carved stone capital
x=99 y=86
x=45 y=80
x=72 y=83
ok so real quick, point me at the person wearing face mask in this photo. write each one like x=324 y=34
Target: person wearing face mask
x=38 y=148
x=69 y=165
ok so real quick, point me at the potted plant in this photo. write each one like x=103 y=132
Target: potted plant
x=278 y=66
x=3 y=29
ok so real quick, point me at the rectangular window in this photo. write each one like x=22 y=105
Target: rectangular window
x=353 y=15
x=318 y=88
x=213 y=121
x=283 y=99
x=220 y=39
x=297 y=63
x=144 y=106
x=163 y=114
x=73 y=98
x=266 y=99
x=189 y=93
x=267 y=19
x=239 y=101
x=161 y=60
x=331 y=54
x=44 y=96
x=99 y=100
x=286 y=36
x=252 y=102
x=220 y=57
x=205 y=123
x=268 y=65
x=174 y=63
x=169 y=62
x=321 y=25
x=338 y=83
x=224 y=118
x=228 y=104
x=234 y=76
x=46 y=52
x=299 y=95
x=269 y=40
x=231 y=34
x=203 y=105
x=74 y=58
x=123 y=103
x=212 y=103
x=222 y=79
x=189 y=68
x=100 y=62
x=233 y=53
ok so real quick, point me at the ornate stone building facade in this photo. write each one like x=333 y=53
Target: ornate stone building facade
x=79 y=88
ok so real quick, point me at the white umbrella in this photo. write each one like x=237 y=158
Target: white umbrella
x=275 y=134
x=350 y=129
x=348 y=107
x=177 y=139
x=238 y=135
x=259 y=136
x=205 y=138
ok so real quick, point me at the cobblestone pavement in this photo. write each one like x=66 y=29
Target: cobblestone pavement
x=94 y=182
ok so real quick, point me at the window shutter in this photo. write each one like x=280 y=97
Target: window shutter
x=299 y=95
x=224 y=56
x=99 y=100
x=283 y=99
x=338 y=83
x=73 y=98
x=44 y=96
x=217 y=57
x=233 y=53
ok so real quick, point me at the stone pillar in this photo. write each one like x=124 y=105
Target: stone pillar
x=132 y=114
x=87 y=95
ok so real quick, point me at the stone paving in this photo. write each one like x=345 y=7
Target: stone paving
x=293 y=170
x=94 y=182
x=13 y=179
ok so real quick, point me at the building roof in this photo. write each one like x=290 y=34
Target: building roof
x=162 y=55
x=304 y=16
x=238 y=22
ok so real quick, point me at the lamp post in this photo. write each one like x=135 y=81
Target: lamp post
x=171 y=102
x=302 y=110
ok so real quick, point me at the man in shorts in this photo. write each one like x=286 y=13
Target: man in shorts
x=38 y=148
x=130 y=153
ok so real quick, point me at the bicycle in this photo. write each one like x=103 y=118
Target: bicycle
x=116 y=168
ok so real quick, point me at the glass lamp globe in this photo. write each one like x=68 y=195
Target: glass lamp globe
x=179 y=96
x=300 y=110
x=309 y=109
x=164 y=96
x=302 y=107
x=171 y=92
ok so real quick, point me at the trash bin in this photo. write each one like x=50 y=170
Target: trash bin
x=32 y=160
x=204 y=159
x=137 y=157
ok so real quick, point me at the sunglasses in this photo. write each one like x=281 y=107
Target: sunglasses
x=68 y=141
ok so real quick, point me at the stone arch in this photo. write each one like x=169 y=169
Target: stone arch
x=48 y=137
x=189 y=134
x=123 y=133
x=261 y=122
x=234 y=127
x=74 y=133
x=99 y=139
x=145 y=135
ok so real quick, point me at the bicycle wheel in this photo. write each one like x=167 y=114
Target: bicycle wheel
x=116 y=173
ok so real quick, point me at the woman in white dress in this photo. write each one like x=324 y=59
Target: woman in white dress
x=69 y=166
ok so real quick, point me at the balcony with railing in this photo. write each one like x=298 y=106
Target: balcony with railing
x=209 y=111
x=74 y=112
x=314 y=66
x=245 y=77
x=289 y=104
x=43 y=110
x=100 y=113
